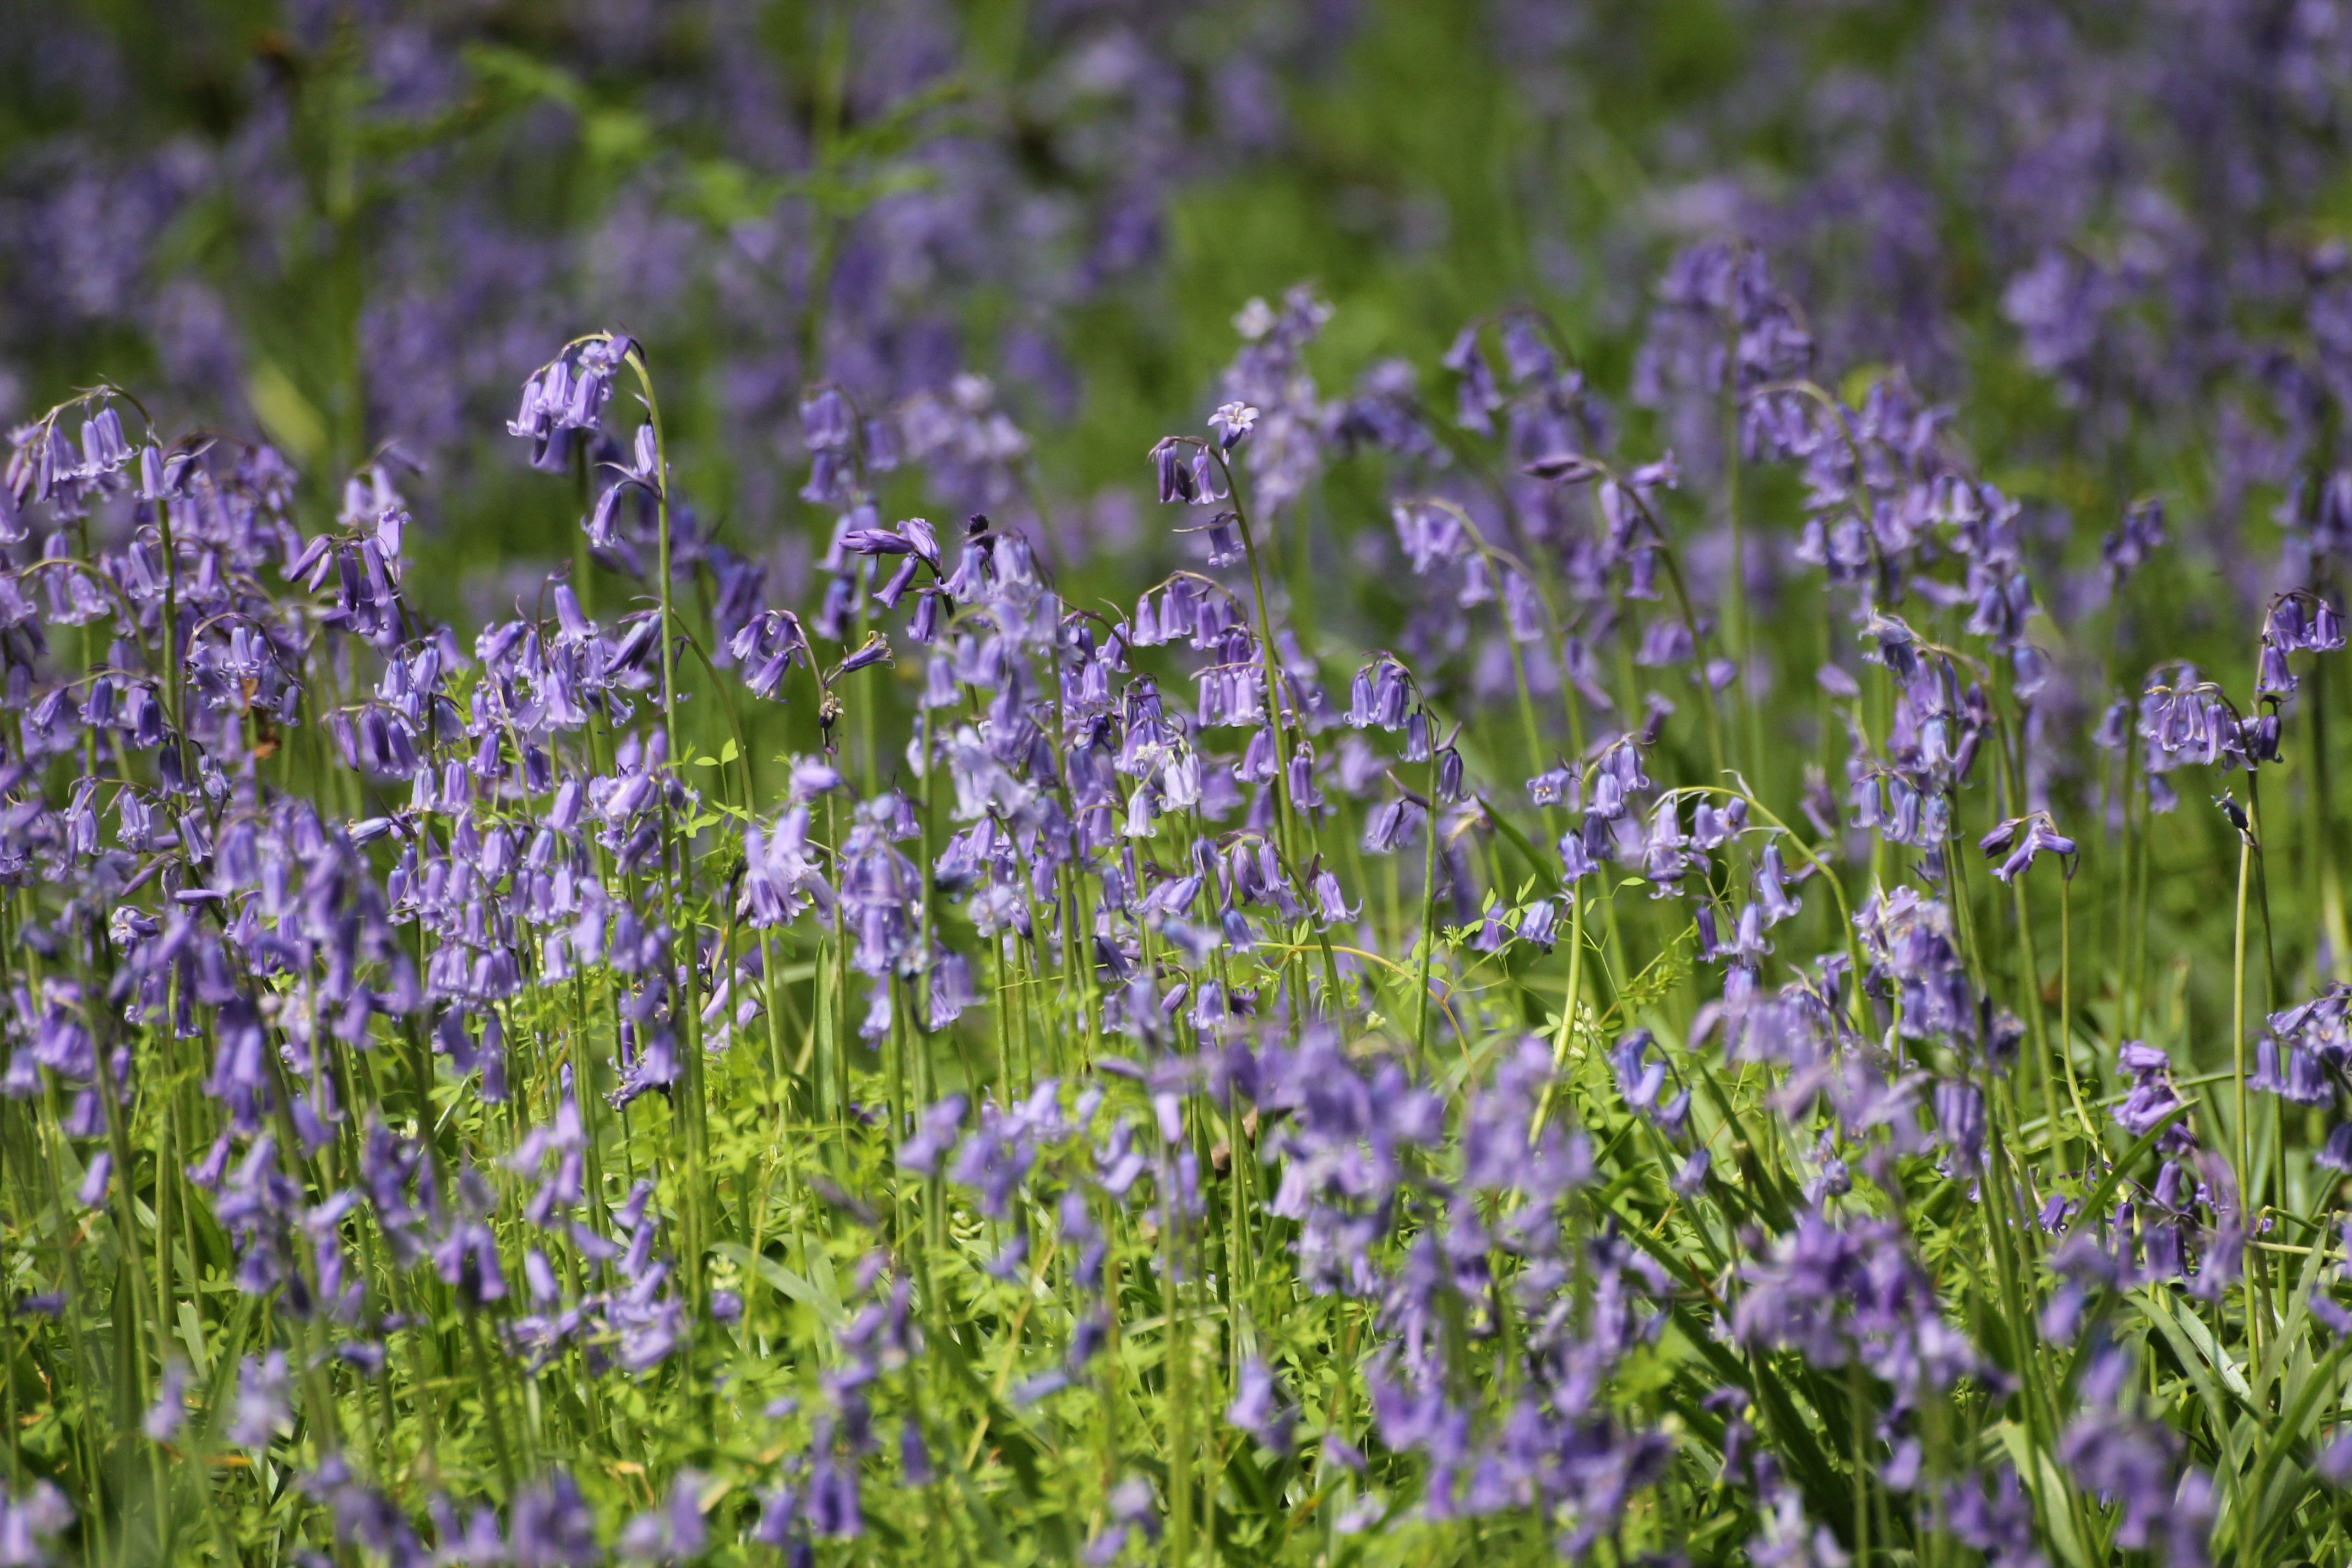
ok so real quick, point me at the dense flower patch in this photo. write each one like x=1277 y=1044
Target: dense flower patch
x=480 y=1103
x=1651 y=952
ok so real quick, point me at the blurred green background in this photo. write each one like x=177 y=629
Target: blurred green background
x=340 y=225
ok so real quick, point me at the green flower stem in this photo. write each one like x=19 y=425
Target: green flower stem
x=1428 y=912
x=2243 y=1161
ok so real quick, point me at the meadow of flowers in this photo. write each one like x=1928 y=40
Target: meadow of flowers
x=1701 y=921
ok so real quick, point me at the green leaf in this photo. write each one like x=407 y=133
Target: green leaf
x=724 y=194
x=2048 y=1484
x=620 y=137
x=2102 y=1195
x=826 y=1302
x=520 y=75
x=2156 y=1307
x=192 y=1334
x=292 y=420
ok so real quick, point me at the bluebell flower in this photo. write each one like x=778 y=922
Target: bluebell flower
x=553 y=1526
x=1257 y=1407
x=2152 y=1097
x=1231 y=421
x=264 y=1408
x=2021 y=840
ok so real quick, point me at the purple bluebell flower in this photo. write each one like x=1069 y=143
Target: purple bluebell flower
x=1556 y=787
x=1664 y=862
x=169 y=1413
x=2307 y=1048
x=2137 y=538
x=1233 y=421
x=1639 y=1079
x=834 y=1509
x=31 y=1521
x=1380 y=695
x=674 y=1533
x=778 y=1523
x=2132 y=1464
x=1392 y=824
x=1172 y=459
x=1257 y=1406
x=264 y=1409
x=1770 y=886
x=2021 y=840
x=91 y=1194
x=553 y=1526
x=1712 y=827
x=2152 y=1097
